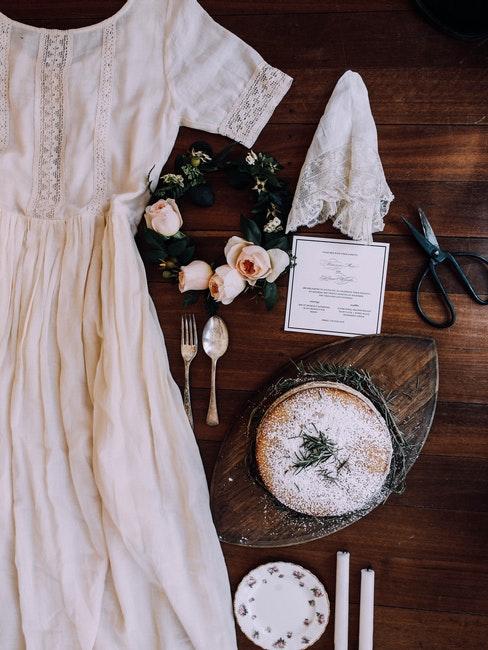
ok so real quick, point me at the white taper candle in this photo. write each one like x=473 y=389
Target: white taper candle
x=366 y=610
x=341 y=620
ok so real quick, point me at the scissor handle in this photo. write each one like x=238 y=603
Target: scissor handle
x=451 y=319
x=464 y=278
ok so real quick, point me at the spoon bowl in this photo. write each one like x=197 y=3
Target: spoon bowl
x=215 y=337
x=215 y=340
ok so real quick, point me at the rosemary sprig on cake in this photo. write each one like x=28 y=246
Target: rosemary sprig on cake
x=317 y=449
x=361 y=381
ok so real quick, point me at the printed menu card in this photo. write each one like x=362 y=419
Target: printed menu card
x=336 y=286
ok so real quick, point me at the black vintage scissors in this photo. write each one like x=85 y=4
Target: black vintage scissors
x=430 y=245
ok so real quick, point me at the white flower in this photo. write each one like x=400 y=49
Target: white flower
x=200 y=155
x=251 y=158
x=260 y=185
x=194 y=276
x=226 y=284
x=164 y=217
x=273 y=226
x=254 y=262
x=173 y=179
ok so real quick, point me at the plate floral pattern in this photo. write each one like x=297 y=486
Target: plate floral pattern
x=281 y=605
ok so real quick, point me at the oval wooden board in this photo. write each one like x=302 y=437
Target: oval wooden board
x=245 y=513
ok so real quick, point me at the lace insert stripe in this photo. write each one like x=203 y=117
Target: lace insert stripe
x=4 y=84
x=102 y=123
x=53 y=61
x=255 y=105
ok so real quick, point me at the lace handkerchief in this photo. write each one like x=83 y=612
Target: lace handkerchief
x=342 y=177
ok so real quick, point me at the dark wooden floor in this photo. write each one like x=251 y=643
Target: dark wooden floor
x=429 y=95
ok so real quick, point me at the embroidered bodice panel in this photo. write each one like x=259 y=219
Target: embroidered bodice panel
x=86 y=114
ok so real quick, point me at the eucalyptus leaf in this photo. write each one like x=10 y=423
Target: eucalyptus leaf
x=190 y=297
x=179 y=162
x=155 y=240
x=220 y=158
x=187 y=255
x=251 y=230
x=154 y=256
x=177 y=246
x=202 y=195
x=167 y=192
x=211 y=305
x=276 y=240
x=270 y=295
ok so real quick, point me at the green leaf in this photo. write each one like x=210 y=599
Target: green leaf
x=211 y=305
x=187 y=255
x=167 y=192
x=190 y=297
x=251 y=230
x=154 y=256
x=181 y=160
x=202 y=195
x=220 y=158
x=270 y=295
x=276 y=240
x=154 y=239
x=177 y=246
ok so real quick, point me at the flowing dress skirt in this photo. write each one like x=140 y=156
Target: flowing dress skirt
x=106 y=536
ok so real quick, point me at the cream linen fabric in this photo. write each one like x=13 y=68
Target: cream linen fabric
x=106 y=537
x=342 y=177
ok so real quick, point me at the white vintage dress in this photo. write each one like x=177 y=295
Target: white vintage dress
x=106 y=537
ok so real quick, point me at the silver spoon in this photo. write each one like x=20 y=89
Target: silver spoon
x=215 y=341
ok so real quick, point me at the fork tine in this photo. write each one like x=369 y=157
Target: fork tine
x=188 y=330
x=182 y=329
x=195 y=335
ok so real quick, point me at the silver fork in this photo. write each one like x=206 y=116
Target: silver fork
x=189 y=347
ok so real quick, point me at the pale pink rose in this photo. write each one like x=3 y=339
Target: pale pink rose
x=279 y=262
x=233 y=249
x=194 y=276
x=164 y=217
x=225 y=284
x=254 y=262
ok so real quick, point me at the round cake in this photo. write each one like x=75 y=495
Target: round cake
x=323 y=449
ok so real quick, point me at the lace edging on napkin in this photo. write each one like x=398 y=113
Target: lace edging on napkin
x=340 y=185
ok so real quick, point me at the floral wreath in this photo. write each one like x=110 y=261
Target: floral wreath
x=254 y=261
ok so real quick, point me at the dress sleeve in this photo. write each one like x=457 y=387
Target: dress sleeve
x=218 y=83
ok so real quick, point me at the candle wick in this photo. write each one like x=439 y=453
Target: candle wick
x=369 y=568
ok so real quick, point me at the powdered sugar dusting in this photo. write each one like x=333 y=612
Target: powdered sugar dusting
x=356 y=473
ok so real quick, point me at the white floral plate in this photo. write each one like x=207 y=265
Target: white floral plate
x=281 y=605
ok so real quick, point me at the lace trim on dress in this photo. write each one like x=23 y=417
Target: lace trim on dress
x=103 y=115
x=5 y=30
x=53 y=61
x=251 y=112
x=350 y=188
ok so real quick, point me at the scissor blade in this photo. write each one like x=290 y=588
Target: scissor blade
x=427 y=228
x=423 y=241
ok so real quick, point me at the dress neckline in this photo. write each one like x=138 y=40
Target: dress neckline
x=76 y=30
